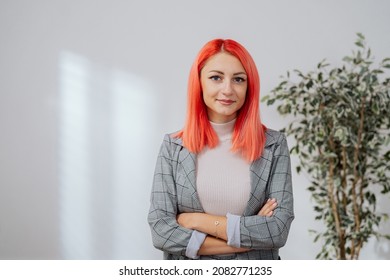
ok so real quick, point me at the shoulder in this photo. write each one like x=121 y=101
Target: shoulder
x=172 y=139
x=274 y=137
x=173 y=149
x=171 y=145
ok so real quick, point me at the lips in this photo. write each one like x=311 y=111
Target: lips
x=226 y=101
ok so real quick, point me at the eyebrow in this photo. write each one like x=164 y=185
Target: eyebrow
x=235 y=74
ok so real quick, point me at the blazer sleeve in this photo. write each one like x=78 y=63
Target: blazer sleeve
x=258 y=232
x=167 y=234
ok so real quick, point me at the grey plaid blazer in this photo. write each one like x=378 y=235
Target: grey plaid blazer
x=174 y=191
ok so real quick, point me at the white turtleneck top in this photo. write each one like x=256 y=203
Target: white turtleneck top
x=223 y=185
x=223 y=181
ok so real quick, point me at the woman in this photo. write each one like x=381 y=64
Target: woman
x=222 y=185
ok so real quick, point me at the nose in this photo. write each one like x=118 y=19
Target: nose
x=227 y=87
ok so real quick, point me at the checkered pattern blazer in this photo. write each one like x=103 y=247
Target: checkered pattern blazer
x=174 y=191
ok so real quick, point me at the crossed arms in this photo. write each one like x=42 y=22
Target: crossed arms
x=216 y=229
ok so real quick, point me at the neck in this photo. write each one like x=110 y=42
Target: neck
x=224 y=130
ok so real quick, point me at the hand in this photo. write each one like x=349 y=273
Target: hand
x=268 y=208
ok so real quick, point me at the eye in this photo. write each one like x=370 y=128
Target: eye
x=239 y=80
x=215 y=78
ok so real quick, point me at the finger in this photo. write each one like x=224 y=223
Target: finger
x=270 y=205
x=268 y=211
x=265 y=210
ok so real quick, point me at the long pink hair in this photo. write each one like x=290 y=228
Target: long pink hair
x=249 y=132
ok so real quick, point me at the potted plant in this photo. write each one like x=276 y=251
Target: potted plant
x=341 y=128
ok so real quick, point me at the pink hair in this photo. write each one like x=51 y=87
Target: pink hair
x=249 y=133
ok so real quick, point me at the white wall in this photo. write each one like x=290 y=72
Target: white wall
x=88 y=88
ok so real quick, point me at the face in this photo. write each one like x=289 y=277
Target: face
x=224 y=85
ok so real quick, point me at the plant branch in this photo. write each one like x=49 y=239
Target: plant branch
x=357 y=178
x=344 y=178
x=332 y=198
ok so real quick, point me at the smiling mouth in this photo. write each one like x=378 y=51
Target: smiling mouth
x=226 y=101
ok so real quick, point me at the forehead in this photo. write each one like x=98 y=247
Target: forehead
x=224 y=61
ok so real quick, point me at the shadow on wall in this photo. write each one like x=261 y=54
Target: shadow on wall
x=104 y=163
x=382 y=246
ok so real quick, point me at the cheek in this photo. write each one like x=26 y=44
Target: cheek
x=208 y=100
x=242 y=98
x=205 y=96
x=207 y=91
x=242 y=95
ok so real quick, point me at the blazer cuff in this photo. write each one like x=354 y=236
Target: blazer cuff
x=233 y=230
x=196 y=240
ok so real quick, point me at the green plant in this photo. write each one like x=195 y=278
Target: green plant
x=341 y=128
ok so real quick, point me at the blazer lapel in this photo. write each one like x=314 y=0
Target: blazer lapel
x=259 y=174
x=187 y=162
